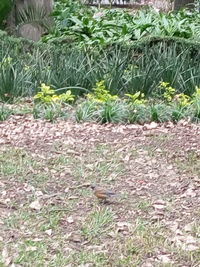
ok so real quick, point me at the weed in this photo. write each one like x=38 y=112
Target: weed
x=97 y=223
x=4 y=112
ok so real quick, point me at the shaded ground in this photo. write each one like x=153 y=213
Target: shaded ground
x=49 y=216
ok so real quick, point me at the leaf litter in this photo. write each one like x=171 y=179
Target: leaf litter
x=154 y=168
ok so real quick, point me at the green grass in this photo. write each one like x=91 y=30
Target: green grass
x=114 y=234
x=191 y=163
x=97 y=223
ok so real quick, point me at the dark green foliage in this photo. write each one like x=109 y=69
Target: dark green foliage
x=125 y=69
x=90 y=26
x=5 y=7
x=113 y=112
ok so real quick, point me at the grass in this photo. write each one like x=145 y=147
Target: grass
x=72 y=227
x=124 y=70
x=191 y=163
x=97 y=223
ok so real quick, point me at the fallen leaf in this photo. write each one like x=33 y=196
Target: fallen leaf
x=31 y=248
x=35 y=205
x=70 y=219
x=49 y=232
x=151 y=126
x=165 y=259
x=5 y=257
x=38 y=193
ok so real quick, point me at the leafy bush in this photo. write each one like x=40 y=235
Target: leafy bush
x=87 y=111
x=100 y=94
x=124 y=70
x=50 y=111
x=47 y=95
x=113 y=112
x=89 y=26
x=139 y=114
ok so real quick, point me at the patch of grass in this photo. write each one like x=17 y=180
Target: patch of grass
x=97 y=223
x=160 y=113
x=16 y=220
x=16 y=162
x=191 y=163
x=52 y=221
x=87 y=111
x=97 y=259
x=32 y=252
x=113 y=112
x=4 y=112
x=49 y=112
x=139 y=114
x=144 y=240
x=144 y=205
x=107 y=168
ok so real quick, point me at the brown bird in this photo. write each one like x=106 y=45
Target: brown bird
x=102 y=194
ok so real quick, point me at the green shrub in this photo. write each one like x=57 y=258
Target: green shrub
x=89 y=26
x=87 y=111
x=5 y=7
x=160 y=112
x=139 y=114
x=113 y=112
x=48 y=95
x=50 y=112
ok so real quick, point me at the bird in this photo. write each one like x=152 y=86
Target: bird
x=102 y=194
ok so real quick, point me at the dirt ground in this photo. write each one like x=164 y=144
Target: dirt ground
x=50 y=217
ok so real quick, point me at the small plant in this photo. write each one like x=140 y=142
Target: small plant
x=160 y=112
x=100 y=94
x=4 y=113
x=139 y=114
x=179 y=112
x=87 y=111
x=196 y=104
x=48 y=111
x=136 y=99
x=169 y=92
x=47 y=95
x=182 y=100
x=113 y=111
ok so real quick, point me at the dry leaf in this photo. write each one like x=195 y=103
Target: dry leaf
x=151 y=126
x=35 y=205
x=49 y=232
x=5 y=257
x=70 y=219
x=165 y=259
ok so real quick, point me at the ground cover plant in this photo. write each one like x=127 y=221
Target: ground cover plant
x=74 y=22
x=24 y=66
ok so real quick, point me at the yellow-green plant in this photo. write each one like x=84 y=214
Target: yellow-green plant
x=196 y=94
x=100 y=94
x=47 y=95
x=136 y=99
x=6 y=61
x=182 y=100
x=169 y=92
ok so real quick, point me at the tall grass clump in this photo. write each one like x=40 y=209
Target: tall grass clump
x=124 y=69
